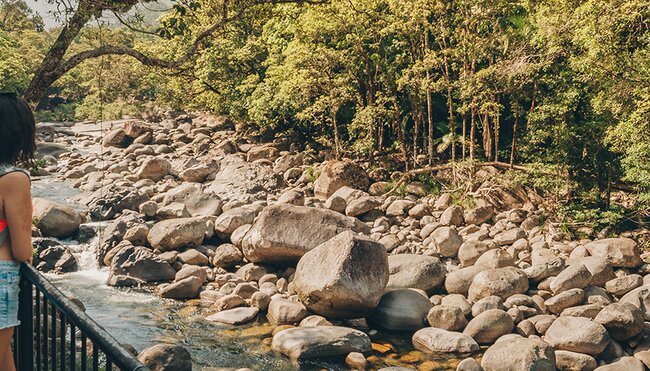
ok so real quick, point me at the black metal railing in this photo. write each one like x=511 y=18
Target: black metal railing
x=56 y=334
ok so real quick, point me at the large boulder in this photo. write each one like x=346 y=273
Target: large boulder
x=56 y=259
x=164 y=357
x=501 y=282
x=232 y=219
x=343 y=277
x=108 y=202
x=239 y=180
x=519 y=354
x=301 y=343
x=172 y=234
x=447 y=241
x=433 y=340
x=141 y=263
x=639 y=297
x=489 y=326
x=619 y=252
x=426 y=273
x=154 y=168
x=337 y=174
x=622 y=320
x=197 y=199
x=283 y=233
x=55 y=219
x=401 y=310
x=577 y=334
x=459 y=281
x=187 y=288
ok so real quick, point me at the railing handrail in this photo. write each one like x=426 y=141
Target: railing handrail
x=74 y=314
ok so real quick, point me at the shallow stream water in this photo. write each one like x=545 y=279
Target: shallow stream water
x=142 y=319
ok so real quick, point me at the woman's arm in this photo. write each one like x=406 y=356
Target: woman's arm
x=18 y=211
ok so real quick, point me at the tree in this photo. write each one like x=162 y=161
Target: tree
x=16 y=15
x=54 y=66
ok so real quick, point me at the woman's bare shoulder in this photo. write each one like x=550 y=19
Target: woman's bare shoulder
x=15 y=181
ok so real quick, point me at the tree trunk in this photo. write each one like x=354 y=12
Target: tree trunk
x=472 y=132
x=514 y=138
x=497 y=125
x=47 y=73
x=429 y=106
x=337 y=140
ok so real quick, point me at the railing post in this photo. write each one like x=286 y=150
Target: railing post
x=26 y=329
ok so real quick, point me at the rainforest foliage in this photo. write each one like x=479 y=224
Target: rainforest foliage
x=558 y=83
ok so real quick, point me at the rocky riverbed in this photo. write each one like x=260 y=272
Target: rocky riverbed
x=311 y=259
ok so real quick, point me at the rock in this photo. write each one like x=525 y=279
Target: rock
x=142 y=264
x=565 y=299
x=510 y=236
x=187 y=288
x=232 y=219
x=501 y=282
x=285 y=312
x=239 y=180
x=600 y=270
x=134 y=129
x=320 y=342
x=489 y=326
x=577 y=334
x=624 y=364
x=154 y=168
x=191 y=271
x=227 y=255
x=539 y=272
x=108 y=202
x=399 y=207
x=164 y=357
x=401 y=310
x=447 y=241
x=433 y=340
x=115 y=138
x=469 y=364
x=453 y=216
x=447 y=318
x=56 y=259
x=262 y=153
x=415 y=271
x=337 y=174
x=356 y=361
x=284 y=233
x=574 y=276
x=315 y=320
x=622 y=320
x=197 y=199
x=352 y=283
x=490 y=302
x=639 y=297
x=459 y=281
x=479 y=215
x=293 y=197
x=622 y=285
x=495 y=258
x=361 y=206
x=619 y=252
x=572 y=361
x=172 y=234
x=193 y=257
x=236 y=316
x=229 y=301
x=54 y=219
x=519 y=354
x=470 y=251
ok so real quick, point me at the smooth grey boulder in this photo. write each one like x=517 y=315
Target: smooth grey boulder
x=501 y=282
x=433 y=340
x=401 y=310
x=235 y=316
x=619 y=252
x=577 y=334
x=622 y=320
x=164 y=357
x=173 y=234
x=489 y=326
x=301 y=343
x=519 y=354
x=283 y=233
x=54 y=219
x=344 y=277
x=426 y=273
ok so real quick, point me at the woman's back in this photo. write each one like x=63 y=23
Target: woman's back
x=10 y=177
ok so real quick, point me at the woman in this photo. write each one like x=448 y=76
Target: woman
x=17 y=130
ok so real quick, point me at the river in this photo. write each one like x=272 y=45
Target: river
x=143 y=319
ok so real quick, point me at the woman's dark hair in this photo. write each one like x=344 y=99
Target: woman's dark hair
x=17 y=130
